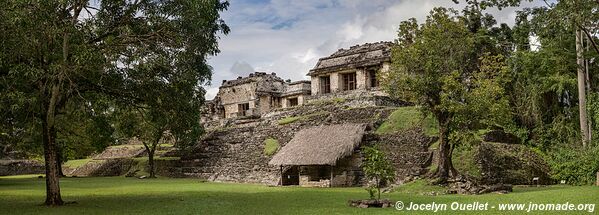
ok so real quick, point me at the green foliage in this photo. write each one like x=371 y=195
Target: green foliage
x=575 y=165
x=464 y=162
x=371 y=192
x=84 y=131
x=270 y=146
x=288 y=120
x=449 y=66
x=541 y=95
x=377 y=167
x=406 y=118
x=543 y=89
x=433 y=67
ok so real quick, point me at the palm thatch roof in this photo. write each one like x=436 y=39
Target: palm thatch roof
x=321 y=145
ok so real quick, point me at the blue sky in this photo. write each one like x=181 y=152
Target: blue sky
x=288 y=36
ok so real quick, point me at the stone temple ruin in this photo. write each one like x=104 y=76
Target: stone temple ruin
x=336 y=111
x=257 y=94
x=346 y=71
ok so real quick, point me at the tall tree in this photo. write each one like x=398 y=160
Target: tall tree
x=170 y=111
x=435 y=65
x=581 y=18
x=56 y=52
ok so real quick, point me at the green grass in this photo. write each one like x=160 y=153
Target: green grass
x=76 y=163
x=119 y=195
x=421 y=187
x=323 y=102
x=464 y=161
x=288 y=120
x=270 y=146
x=408 y=117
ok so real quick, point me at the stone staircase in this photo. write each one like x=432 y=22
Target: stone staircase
x=409 y=152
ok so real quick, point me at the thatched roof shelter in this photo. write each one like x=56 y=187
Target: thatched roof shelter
x=321 y=145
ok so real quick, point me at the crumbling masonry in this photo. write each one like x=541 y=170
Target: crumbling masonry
x=352 y=70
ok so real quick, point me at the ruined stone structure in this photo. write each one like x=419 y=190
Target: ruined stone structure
x=350 y=71
x=356 y=68
x=248 y=110
x=235 y=153
x=252 y=96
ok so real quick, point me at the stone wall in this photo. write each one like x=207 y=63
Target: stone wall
x=126 y=166
x=21 y=167
x=348 y=172
x=253 y=90
x=315 y=85
x=122 y=151
x=409 y=152
x=510 y=164
x=297 y=86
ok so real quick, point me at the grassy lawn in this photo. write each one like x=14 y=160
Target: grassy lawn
x=76 y=163
x=119 y=195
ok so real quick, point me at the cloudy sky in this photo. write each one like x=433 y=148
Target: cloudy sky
x=288 y=36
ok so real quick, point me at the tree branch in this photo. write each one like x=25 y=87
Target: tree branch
x=586 y=32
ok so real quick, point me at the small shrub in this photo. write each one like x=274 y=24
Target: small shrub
x=575 y=165
x=377 y=167
x=371 y=192
x=270 y=146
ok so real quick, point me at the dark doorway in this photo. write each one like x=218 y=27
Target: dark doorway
x=293 y=102
x=290 y=176
x=325 y=84
x=373 y=82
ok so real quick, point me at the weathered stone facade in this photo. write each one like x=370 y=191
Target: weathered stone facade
x=253 y=96
x=356 y=68
x=20 y=167
x=348 y=71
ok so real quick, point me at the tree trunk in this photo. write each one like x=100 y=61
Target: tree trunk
x=59 y=159
x=378 y=187
x=151 y=163
x=151 y=149
x=588 y=86
x=444 y=164
x=53 y=197
x=584 y=130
